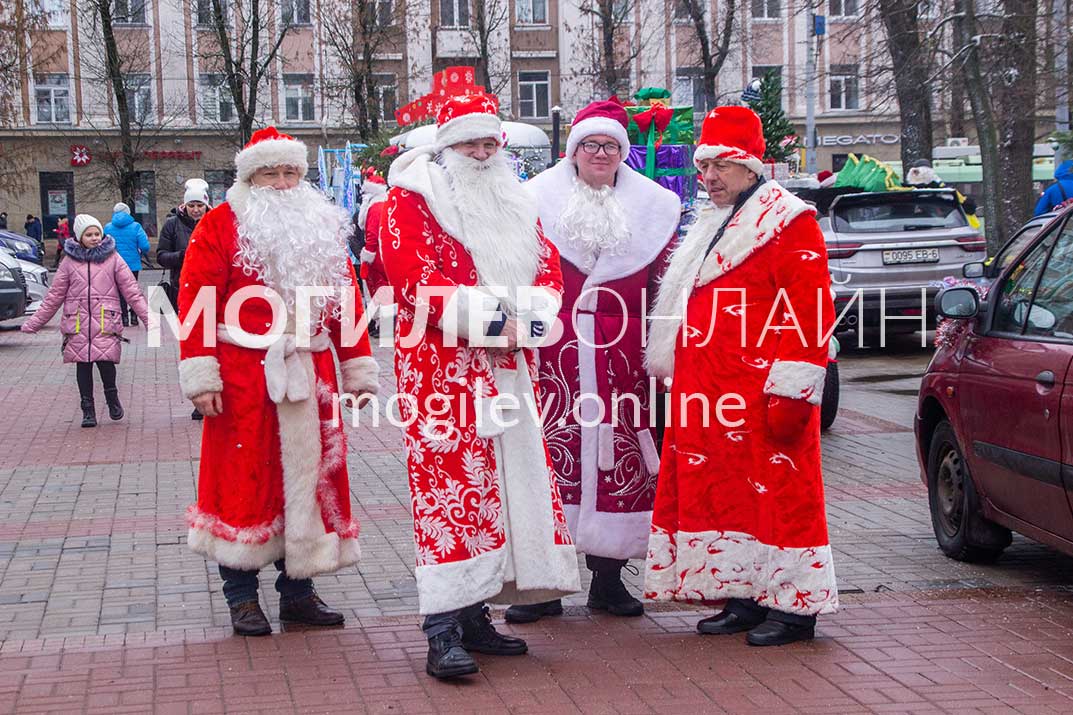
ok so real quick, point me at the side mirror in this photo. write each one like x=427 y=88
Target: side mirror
x=973 y=270
x=825 y=224
x=957 y=303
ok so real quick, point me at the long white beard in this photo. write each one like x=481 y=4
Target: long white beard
x=594 y=223
x=295 y=238
x=499 y=220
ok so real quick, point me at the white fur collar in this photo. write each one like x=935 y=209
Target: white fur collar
x=368 y=203
x=417 y=171
x=761 y=220
x=652 y=213
x=238 y=196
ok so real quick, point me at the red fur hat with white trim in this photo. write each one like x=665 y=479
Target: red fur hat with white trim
x=732 y=134
x=268 y=147
x=607 y=118
x=468 y=117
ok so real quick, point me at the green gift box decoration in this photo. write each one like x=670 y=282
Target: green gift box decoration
x=678 y=131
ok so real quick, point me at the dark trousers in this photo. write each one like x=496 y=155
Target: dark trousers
x=122 y=300
x=747 y=608
x=241 y=586
x=84 y=375
x=440 y=623
x=602 y=563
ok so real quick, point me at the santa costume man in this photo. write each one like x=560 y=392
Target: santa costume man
x=739 y=511
x=272 y=486
x=463 y=248
x=370 y=218
x=614 y=230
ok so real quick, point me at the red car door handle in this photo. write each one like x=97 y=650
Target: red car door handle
x=1046 y=378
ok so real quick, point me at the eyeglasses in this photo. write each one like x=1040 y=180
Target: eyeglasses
x=610 y=148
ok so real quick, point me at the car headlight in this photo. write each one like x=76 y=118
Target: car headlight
x=7 y=276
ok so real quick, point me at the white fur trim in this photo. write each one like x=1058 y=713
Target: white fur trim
x=652 y=214
x=605 y=447
x=238 y=197
x=530 y=568
x=593 y=126
x=360 y=375
x=417 y=171
x=235 y=554
x=796 y=380
x=271 y=152
x=715 y=565
x=370 y=201
x=462 y=311
x=544 y=310
x=728 y=153
x=761 y=220
x=468 y=127
x=198 y=375
x=367 y=256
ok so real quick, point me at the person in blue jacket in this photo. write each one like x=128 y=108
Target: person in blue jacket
x=131 y=244
x=1058 y=192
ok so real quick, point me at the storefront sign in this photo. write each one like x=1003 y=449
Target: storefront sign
x=856 y=139
x=80 y=155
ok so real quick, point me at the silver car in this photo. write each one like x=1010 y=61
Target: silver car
x=36 y=277
x=888 y=251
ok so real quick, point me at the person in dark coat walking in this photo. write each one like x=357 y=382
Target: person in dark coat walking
x=175 y=236
x=32 y=227
x=3 y=220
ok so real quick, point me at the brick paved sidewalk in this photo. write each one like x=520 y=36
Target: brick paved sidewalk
x=103 y=609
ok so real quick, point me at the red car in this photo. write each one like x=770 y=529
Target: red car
x=994 y=424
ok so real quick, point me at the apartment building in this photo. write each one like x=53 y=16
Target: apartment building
x=538 y=54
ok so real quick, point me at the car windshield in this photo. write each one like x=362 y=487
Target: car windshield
x=897 y=213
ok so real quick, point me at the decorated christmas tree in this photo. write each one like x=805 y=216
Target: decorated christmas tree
x=778 y=131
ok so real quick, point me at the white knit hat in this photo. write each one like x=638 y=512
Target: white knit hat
x=196 y=190
x=84 y=221
x=121 y=208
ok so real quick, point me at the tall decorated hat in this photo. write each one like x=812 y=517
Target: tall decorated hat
x=467 y=117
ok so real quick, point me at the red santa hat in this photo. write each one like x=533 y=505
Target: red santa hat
x=373 y=185
x=268 y=147
x=467 y=117
x=606 y=117
x=732 y=134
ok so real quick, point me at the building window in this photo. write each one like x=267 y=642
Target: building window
x=385 y=15
x=295 y=12
x=206 y=11
x=387 y=94
x=689 y=88
x=683 y=10
x=219 y=181
x=534 y=95
x=52 y=97
x=298 y=91
x=139 y=97
x=129 y=12
x=766 y=9
x=454 y=13
x=217 y=104
x=843 y=8
x=57 y=12
x=531 y=12
x=845 y=87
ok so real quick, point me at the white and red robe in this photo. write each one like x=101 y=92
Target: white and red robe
x=740 y=514
x=488 y=520
x=607 y=471
x=272 y=481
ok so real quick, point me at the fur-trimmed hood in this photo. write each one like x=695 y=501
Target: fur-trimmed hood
x=759 y=221
x=97 y=254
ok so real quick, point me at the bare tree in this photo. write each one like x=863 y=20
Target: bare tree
x=247 y=44
x=356 y=31
x=615 y=44
x=711 y=58
x=911 y=63
x=996 y=58
x=490 y=19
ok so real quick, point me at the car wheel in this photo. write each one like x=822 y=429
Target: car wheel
x=962 y=532
x=829 y=403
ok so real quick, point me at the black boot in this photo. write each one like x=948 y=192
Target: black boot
x=247 y=619
x=447 y=658
x=607 y=592
x=115 y=410
x=775 y=632
x=534 y=611
x=89 y=413
x=479 y=635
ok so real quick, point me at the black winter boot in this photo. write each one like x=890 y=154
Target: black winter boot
x=480 y=636
x=447 y=658
x=115 y=410
x=89 y=413
x=533 y=611
x=607 y=592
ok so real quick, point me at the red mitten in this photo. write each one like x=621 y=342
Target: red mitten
x=363 y=272
x=788 y=418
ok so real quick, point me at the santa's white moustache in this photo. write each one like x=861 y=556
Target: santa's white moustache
x=294 y=238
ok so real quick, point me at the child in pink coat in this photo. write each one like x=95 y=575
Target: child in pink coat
x=87 y=286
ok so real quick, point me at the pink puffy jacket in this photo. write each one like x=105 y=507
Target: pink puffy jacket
x=87 y=286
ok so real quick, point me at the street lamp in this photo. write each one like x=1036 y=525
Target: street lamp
x=556 y=129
